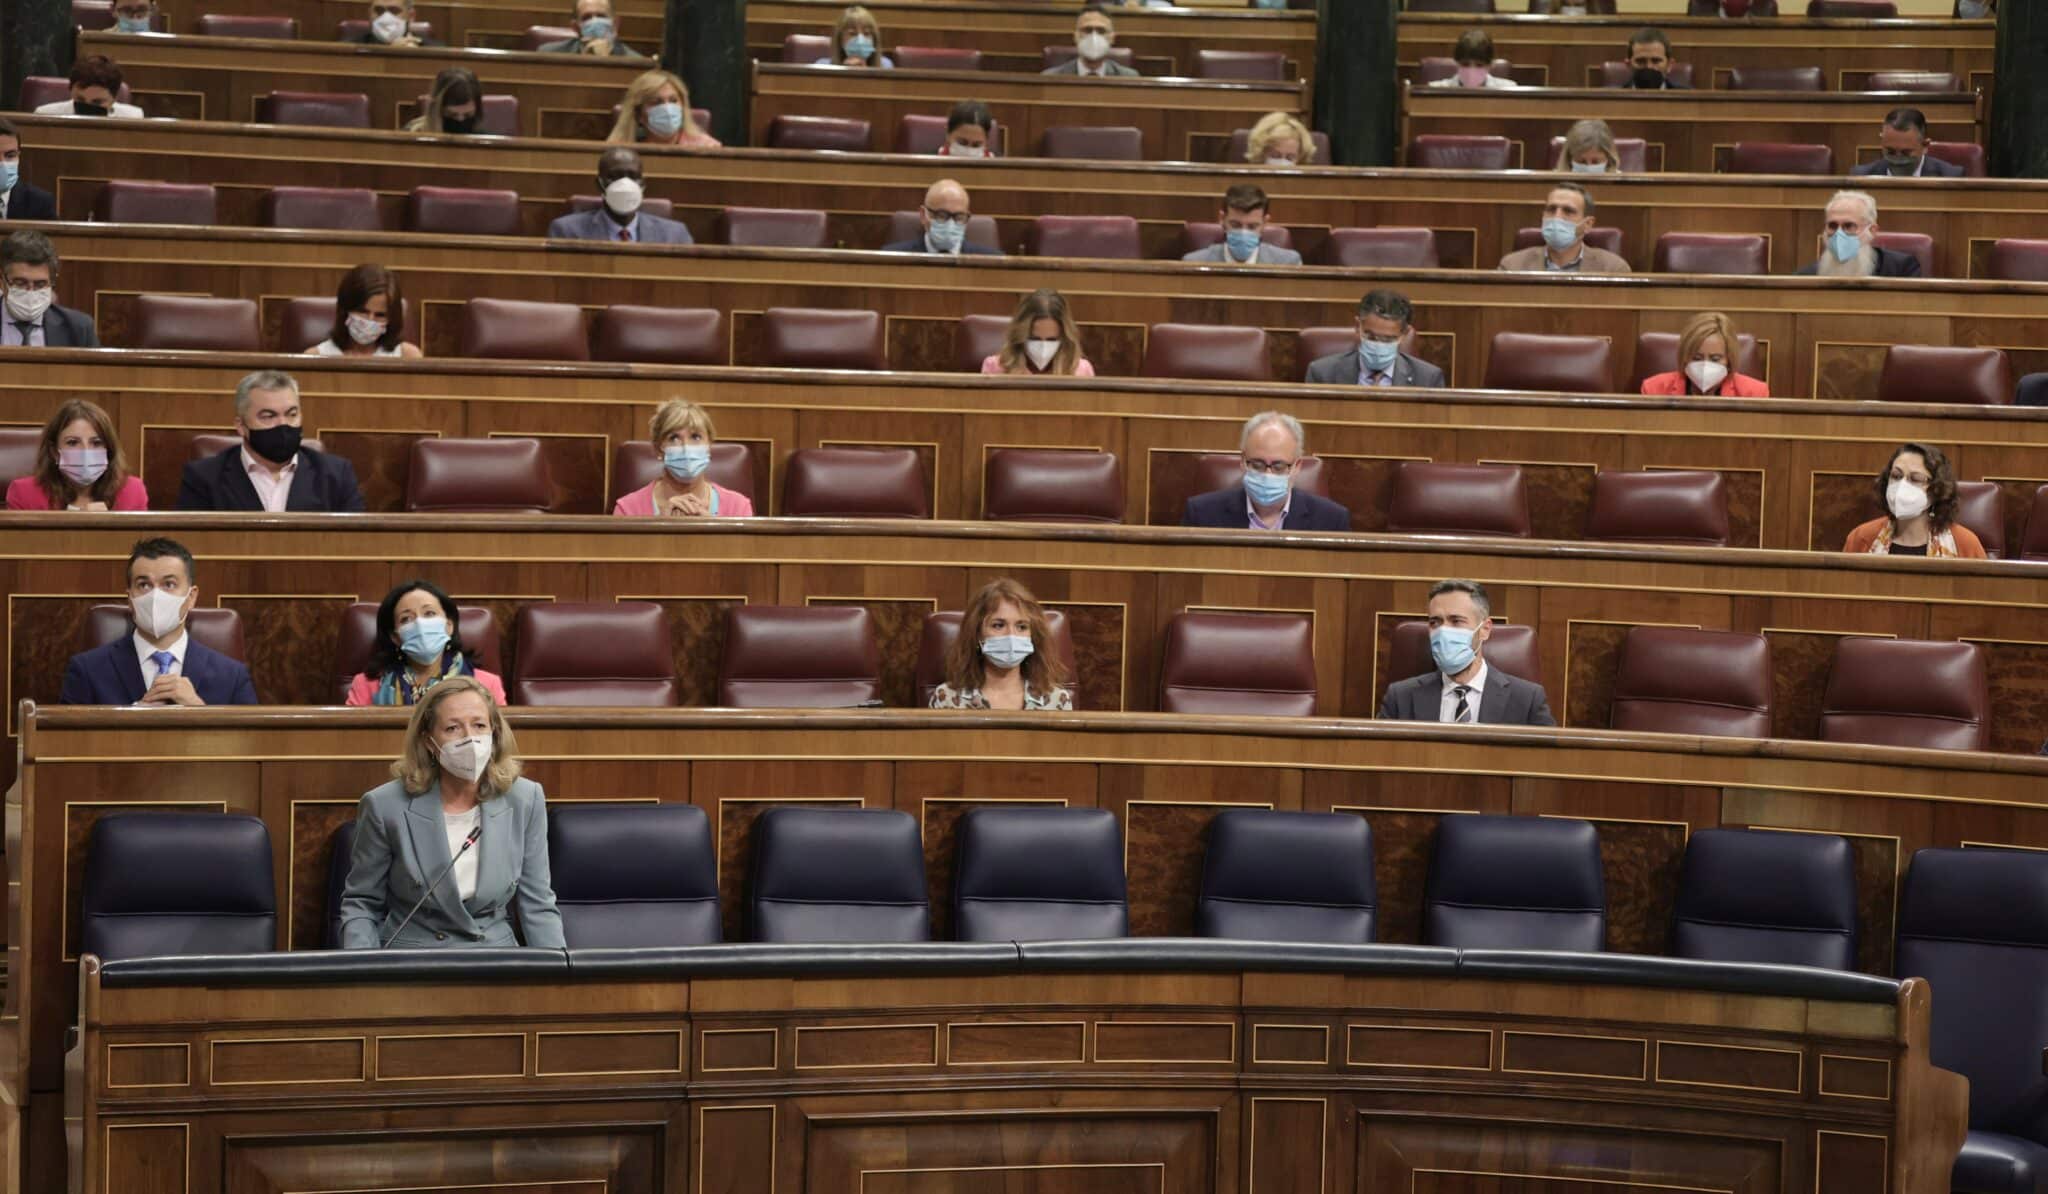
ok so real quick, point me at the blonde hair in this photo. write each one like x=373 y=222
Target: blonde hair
x=626 y=129
x=856 y=15
x=1272 y=127
x=1043 y=303
x=1590 y=134
x=1043 y=673
x=1702 y=326
x=679 y=414
x=419 y=764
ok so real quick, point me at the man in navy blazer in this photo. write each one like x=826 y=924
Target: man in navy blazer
x=270 y=470
x=943 y=222
x=1463 y=687
x=31 y=317
x=620 y=183
x=19 y=200
x=159 y=663
x=1272 y=446
x=1903 y=140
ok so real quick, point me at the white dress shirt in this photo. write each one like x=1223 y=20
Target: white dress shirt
x=143 y=651
x=272 y=489
x=11 y=334
x=63 y=107
x=1448 y=711
x=459 y=825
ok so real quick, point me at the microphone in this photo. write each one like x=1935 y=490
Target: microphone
x=467 y=842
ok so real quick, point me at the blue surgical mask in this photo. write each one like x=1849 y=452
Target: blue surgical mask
x=861 y=46
x=1006 y=650
x=423 y=639
x=10 y=173
x=686 y=462
x=665 y=120
x=1451 y=647
x=1242 y=242
x=595 y=28
x=131 y=24
x=1266 y=489
x=1560 y=234
x=1589 y=167
x=945 y=236
x=1269 y=3
x=1378 y=355
x=1844 y=244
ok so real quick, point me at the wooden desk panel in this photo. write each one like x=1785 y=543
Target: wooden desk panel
x=460 y=23
x=1689 y=131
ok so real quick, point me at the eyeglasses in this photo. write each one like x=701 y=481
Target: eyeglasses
x=1275 y=468
x=947 y=217
x=31 y=284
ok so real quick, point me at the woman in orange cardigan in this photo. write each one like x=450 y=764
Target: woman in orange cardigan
x=1918 y=492
x=1706 y=364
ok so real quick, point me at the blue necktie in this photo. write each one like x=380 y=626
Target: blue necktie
x=163 y=661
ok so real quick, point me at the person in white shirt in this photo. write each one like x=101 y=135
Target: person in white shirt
x=1474 y=56
x=158 y=664
x=1094 y=37
x=1462 y=689
x=95 y=84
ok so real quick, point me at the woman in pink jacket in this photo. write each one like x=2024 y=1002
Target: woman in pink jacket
x=681 y=431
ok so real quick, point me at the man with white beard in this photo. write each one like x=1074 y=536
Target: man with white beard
x=1844 y=249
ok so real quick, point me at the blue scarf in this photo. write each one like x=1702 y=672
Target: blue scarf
x=396 y=688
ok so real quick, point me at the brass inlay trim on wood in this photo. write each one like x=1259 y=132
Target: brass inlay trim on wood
x=1798 y=1069
x=1843 y=1094
x=213 y=1053
x=1322 y=1028
x=1643 y=1075
x=774 y=1050
x=181 y=1046
x=797 y=1051
x=1351 y=1032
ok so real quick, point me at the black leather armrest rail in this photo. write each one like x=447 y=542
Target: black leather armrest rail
x=1210 y=953
x=338 y=966
x=796 y=961
x=1642 y=970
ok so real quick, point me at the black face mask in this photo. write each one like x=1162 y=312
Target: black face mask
x=81 y=108
x=276 y=444
x=1647 y=78
x=466 y=124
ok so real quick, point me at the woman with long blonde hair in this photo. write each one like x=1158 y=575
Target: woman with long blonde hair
x=455 y=106
x=856 y=41
x=1042 y=340
x=656 y=111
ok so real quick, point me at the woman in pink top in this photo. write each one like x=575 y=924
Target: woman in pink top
x=79 y=466
x=419 y=644
x=1042 y=340
x=681 y=431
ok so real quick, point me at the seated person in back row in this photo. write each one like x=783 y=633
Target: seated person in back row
x=419 y=644
x=619 y=217
x=1094 y=37
x=19 y=198
x=1567 y=218
x=1383 y=322
x=596 y=33
x=1271 y=446
x=970 y=131
x=270 y=470
x=1904 y=141
x=1463 y=689
x=1649 y=61
x=28 y=263
x=1846 y=246
x=1243 y=216
x=158 y=664
x=95 y=81
x=1474 y=56
x=944 y=219
x=391 y=25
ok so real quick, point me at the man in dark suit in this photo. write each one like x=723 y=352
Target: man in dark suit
x=944 y=220
x=1383 y=322
x=596 y=33
x=31 y=317
x=270 y=470
x=19 y=200
x=1649 y=62
x=391 y=24
x=1904 y=142
x=1846 y=247
x=159 y=663
x=1094 y=38
x=1272 y=446
x=619 y=218
x=1462 y=688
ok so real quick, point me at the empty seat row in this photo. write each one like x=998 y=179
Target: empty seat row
x=1473 y=151
x=807 y=48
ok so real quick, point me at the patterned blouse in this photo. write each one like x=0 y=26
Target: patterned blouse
x=943 y=697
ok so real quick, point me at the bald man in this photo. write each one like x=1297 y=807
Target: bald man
x=617 y=216
x=944 y=221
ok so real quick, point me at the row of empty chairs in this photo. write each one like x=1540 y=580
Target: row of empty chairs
x=1258 y=65
x=1476 y=151
x=499 y=116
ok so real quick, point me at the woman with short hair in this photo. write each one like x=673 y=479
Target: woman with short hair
x=369 y=317
x=682 y=433
x=1708 y=351
x=1917 y=492
x=856 y=41
x=1280 y=140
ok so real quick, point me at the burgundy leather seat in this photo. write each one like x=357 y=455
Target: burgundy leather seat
x=1241 y=144
x=1099 y=143
x=918 y=132
x=818 y=338
x=941 y=628
x=905 y=225
x=799 y=657
x=1712 y=253
x=503 y=475
x=1618 y=74
x=462 y=211
x=19 y=447
x=1913 y=244
x=650 y=205
x=239 y=25
x=1383 y=248
x=936 y=58
x=309 y=320
x=1980 y=506
x=1554 y=364
x=1245 y=665
x=1052 y=56
x=351 y=29
x=636 y=465
x=358 y=634
x=542 y=35
x=2016 y=259
x=218 y=629
x=1675 y=506
x=1908 y=692
x=820 y=132
x=1052 y=485
x=1939 y=373
x=1262 y=65
x=1777 y=78
x=1606 y=238
x=1113 y=237
x=1445 y=151
x=855 y=483
x=801 y=49
x=1633 y=151
x=1225 y=470
x=1511 y=647
x=121 y=201
x=1200 y=234
x=519 y=330
x=190 y=321
x=1198 y=351
x=659 y=335
x=1657 y=352
x=1780 y=157
x=2034 y=541
x=1939 y=81
x=1434 y=68
x=1459 y=499
x=336 y=209
x=323 y=109
x=1967 y=154
x=1674 y=680
x=1859 y=10
x=1312 y=344
x=773 y=227
x=976 y=338
x=573 y=653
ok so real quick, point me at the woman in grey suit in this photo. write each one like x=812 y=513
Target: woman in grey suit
x=456 y=835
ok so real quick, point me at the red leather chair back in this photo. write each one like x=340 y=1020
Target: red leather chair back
x=352 y=29
x=1913 y=244
x=1383 y=248
x=1511 y=647
x=213 y=443
x=1459 y=499
x=1633 y=151
x=1673 y=680
x=636 y=465
x=1457 y=6
x=799 y=657
x=1913 y=80
x=462 y=211
x=358 y=635
x=1980 y=506
x=1200 y=234
x=123 y=202
x=855 y=483
x=336 y=209
x=1052 y=485
x=238 y=25
x=1316 y=343
x=1859 y=10
x=2034 y=543
x=1967 y=154
x=572 y=653
x=1241 y=144
x=1114 y=237
x=1434 y=69
x=818 y=338
x=1777 y=78
x=1608 y=239
x=979 y=337
x=1192 y=350
x=1712 y=253
x=802 y=49
x=1939 y=373
x=1618 y=74
x=918 y=132
x=324 y=109
x=1555 y=364
x=507 y=475
x=307 y=321
x=1100 y=143
x=651 y=205
x=1246 y=665
x=820 y=132
x=941 y=628
x=1657 y=352
x=1263 y=65
x=215 y=629
x=1908 y=692
x=659 y=335
x=773 y=227
x=2015 y=259
x=1446 y=151
x=189 y=321
x=1225 y=470
x=1675 y=506
x=1780 y=157
x=1712 y=8
x=1052 y=56
x=905 y=225
x=519 y=330
x=936 y=58
x=499 y=114
x=19 y=447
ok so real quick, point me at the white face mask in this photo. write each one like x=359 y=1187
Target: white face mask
x=466 y=758
x=29 y=305
x=389 y=27
x=1041 y=352
x=1906 y=499
x=1707 y=375
x=1589 y=167
x=1282 y=162
x=623 y=196
x=158 y=613
x=955 y=149
x=365 y=329
x=1094 y=47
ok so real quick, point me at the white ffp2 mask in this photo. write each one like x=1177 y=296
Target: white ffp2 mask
x=466 y=758
x=157 y=612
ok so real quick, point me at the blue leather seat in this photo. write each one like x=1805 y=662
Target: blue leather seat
x=178 y=883
x=629 y=876
x=1756 y=896
x=1974 y=924
x=1515 y=883
x=849 y=875
x=1039 y=874
x=1280 y=876
x=340 y=852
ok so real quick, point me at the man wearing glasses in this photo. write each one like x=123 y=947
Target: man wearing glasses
x=1271 y=448
x=944 y=220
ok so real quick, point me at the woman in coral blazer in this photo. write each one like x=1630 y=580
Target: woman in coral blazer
x=1706 y=364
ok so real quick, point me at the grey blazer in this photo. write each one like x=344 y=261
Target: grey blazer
x=1072 y=66
x=1268 y=255
x=595 y=225
x=1341 y=369
x=1508 y=700
x=402 y=844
